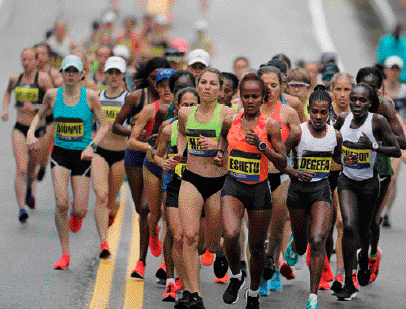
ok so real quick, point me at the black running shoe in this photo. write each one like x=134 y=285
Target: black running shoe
x=196 y=302
x=269 y=267
x=386 y=222
x=41 y=173
x=23 y=216
x=220 y=266
x=243 y=268
x=230 y=295
x=29 y=199
x=364 y=273
x=161 y=275
x=252 y=302
x=348 y=292
x=184 y=302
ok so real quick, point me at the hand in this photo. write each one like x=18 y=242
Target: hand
x=87 y=154
x=304 y=175
x=5 y=115
x=219 y=158
x=32 y=142
x=351 y=159
x=207 y=143
x=174 y=160
x=252 y=138
x=167 y=165
x=364 y=141
x=28 y=106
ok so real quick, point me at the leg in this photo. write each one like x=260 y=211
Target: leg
x=340 y=231
x=116 y=180
x=214 y=225
x=21 y=156
x=80 y=190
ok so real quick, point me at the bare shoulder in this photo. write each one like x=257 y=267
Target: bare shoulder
x=91 y=94
x=288 y=109
x=225 y=110
x=293 y=101
x=51 y=93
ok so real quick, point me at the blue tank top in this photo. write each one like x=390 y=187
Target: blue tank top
x=73 y=124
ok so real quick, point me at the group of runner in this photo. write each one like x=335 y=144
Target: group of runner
x=208 y=151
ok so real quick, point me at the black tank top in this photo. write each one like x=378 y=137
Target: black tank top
x=29 y=92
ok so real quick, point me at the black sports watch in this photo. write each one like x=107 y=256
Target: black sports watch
x=262 y=146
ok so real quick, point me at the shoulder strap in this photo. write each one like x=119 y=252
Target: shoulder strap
x=19 y=79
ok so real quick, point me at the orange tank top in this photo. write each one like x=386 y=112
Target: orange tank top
x=150 y=124
x=245 y=162
x=276 y=115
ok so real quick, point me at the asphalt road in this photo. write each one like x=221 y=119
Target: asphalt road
x=257 y=29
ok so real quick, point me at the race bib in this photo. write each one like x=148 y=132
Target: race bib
x=364 y=158
x=69 y=129
x=193 y=137
x=111 y=109
x=320 y=165
x=244 y=166
x=27 y=94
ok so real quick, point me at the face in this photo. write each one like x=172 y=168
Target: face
x=42 y=55
x=393 y=73
x=371 y=80
x=102 y=54
x=71 y=76
x=28 y=60
x=359 y=102
x=319 y=113
x=251 y=97
x=208 y=87
x=341 y=92
x=114 y=77
x=152 y=78
x=226 y=93
x=188 y=99
x=196 y=69
x=272 y=84
x=165 y=93
x=239 y=66
x=298 y=88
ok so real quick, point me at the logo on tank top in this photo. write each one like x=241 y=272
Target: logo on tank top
x=316 y=161
x=364 y=155
x=111 y=109
x=194 y=147
x=69 y=129
x=244 y=166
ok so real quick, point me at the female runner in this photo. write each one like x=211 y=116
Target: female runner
x=252 y=140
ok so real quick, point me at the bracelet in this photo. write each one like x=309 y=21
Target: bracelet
x=92 y=145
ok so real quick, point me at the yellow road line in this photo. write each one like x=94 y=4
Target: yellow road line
x=134 y=289
x=104 y=279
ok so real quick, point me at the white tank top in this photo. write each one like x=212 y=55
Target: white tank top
x=364 y=169
x=314 y=154
x=62 y=49
x=112 y=106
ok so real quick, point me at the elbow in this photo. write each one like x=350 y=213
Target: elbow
x=114 y=128
x=131 y=143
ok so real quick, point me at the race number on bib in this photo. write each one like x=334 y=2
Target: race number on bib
x=69 y=129
x=194 y=147
x=364 y=158
x=244 y=166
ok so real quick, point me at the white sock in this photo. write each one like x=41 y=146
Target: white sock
x=238 y=276
x=170 y=280
x=252 y=293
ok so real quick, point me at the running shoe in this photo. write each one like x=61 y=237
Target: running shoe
x=196 y=301
x=386 y=222
x=308 y=255
x=327 y=273
x=355 y=281
x=170 y=293
x=269 y=267
x=222 y=280
x=178 y=285
x=300 y=262
x=275 y=283
x=291 y=256
x=263 y=288
x=338 y=284
x=323 y=284
x=23 y=216
x=155 y=244
x=243 y=268
x=29 y=199
x=364 y=273
x=63 y=262
x=220 y=266
x=161 y=275
x=75 y=223
x=374 y=266
x=111 y=220
x=349 y=292
x=184 y=302
x=230 y=295
x=312 y=303
x=104 y=250
x=207 y=258
x=139 y=270
x=252 y=302
x=287 y=271
x=41 y=173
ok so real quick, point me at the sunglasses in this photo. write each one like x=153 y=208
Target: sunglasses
x=113 y=71
x=298 y=85
x=71 y=70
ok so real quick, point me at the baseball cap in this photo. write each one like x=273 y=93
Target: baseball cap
x=392 y=61
x=109 y=17
x=122 y=51
x=198 y=56
x=329 y=71
x=115 y=63
x=328 y=58
x=164 y=73
x=201 y=25
x=180 y=44
x=280 y=64
x=72 y=61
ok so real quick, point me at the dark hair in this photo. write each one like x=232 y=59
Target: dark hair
x=319 y=95
x=284 y=58
x=280 y=64
x=187 y=90
x=319 y=87
x=367 y=71
x=372 y=96
x=147 y=68
x=215 y=71
x=254 y=77
x=232 y=77
x=178 y=74
x=270 y=69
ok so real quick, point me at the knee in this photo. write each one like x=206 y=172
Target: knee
x=62 y=206
x=142 y=212
x=22 y=172
x=231 y=235
x=257 y=250
x=191 y=238
x=339 y=225
x=178 y=241
x=102 y=196
x=349 y=231
x=317 y=243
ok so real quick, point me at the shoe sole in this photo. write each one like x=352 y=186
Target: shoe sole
x=105 y=254
x=238 y=294
x=181 y=306
x=137 y=276
x=348 y=298
x=169 y=299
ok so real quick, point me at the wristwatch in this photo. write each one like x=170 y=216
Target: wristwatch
x=262 y=146
x=375 y=146
x=92 y=145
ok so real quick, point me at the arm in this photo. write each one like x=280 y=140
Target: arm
x=390 y=114
x=295 y=103
x=222 y=143
x=56 y=78
x=7 y=96
x=338 y=148
x=131 y=101
x=277 y=154
x=162 y=142
x=340 y=121
x=182 y=140
x=140 y=124
x=293 y=118
x=44 y=81
x=100 y=117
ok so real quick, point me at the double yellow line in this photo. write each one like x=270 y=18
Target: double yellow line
x=134 y=288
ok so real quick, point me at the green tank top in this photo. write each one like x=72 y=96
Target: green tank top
x=172 y=149
x=195 y=129
x=382 y=164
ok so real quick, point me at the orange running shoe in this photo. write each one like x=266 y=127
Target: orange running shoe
x=327 y=273
x=170 y=293
x=155 y=244
x=338 y=283
x=221 y=280
x=207 y=258
x=178 y=285
x=104 y=250
x=355 y=281
x=308 y=255
x=287 y=271
x=63 y=262
x=374 y=266
x=323 y=284
x=139 y=270
x=75 y=223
